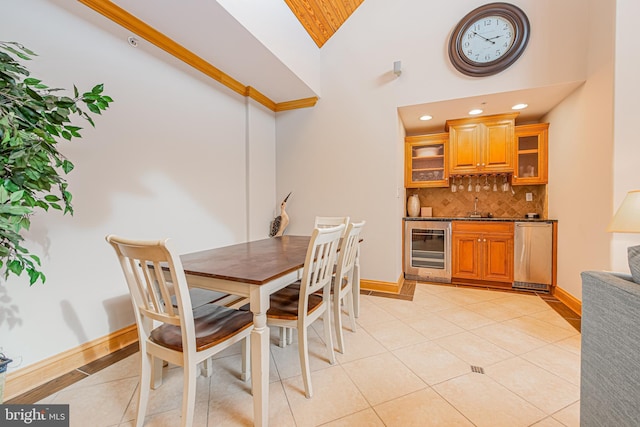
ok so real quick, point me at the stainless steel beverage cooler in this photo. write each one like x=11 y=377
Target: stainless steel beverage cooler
x=427 y=253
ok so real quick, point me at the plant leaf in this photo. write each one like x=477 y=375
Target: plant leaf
x=67 y=166
x=34 y=118
x=93 y=108
x=16 y=196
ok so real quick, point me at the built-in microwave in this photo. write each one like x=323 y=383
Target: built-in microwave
x=427 y=250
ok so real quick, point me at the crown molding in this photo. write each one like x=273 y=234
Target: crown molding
x=126 y=20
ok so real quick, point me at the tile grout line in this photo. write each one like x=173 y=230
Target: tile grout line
x=57 y=384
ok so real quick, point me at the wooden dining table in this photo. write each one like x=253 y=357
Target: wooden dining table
x=254 y=270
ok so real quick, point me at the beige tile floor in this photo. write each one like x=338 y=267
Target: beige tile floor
x=408 y=364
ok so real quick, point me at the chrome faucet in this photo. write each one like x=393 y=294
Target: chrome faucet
x=475 y=213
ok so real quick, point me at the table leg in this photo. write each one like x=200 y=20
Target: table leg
x=259 y=304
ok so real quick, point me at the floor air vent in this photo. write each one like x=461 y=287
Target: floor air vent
x=531 y=286
x=477 y=369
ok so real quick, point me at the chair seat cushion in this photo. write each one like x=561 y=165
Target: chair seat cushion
x=284 y=303
x=213 y=324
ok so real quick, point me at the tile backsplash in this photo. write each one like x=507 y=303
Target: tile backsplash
x=500 y=204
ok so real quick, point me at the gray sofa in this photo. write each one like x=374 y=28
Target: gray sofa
x=610 y=354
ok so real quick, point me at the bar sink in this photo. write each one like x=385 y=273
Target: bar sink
x=479 y=215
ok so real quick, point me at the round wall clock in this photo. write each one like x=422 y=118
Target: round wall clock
x=489 y=39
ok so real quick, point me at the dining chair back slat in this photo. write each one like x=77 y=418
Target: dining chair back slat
x=319 y=262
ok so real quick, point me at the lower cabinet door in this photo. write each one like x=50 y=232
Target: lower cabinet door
x=465 y=256
x=498 y=258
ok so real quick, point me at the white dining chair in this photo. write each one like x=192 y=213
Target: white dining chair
x=180 y=335
x=331 y=221
x=286 y=334
x=299 y=305
x=343 y=280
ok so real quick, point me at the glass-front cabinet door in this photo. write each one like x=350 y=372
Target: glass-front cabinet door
x=425 y=164
x=531 y=154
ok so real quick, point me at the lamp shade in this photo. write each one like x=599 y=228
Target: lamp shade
x=627 y=219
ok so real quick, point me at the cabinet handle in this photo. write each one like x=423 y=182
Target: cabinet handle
x=484 y=240
x=477 y=164
x=479 y=240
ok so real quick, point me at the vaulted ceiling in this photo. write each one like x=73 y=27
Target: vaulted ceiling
x=322 y=18
x=205 y=36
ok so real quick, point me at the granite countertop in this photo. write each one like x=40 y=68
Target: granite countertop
x=464 y=218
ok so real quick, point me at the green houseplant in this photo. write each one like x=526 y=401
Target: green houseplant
x=33 y=119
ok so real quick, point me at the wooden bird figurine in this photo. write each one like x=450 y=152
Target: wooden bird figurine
x=280 y=222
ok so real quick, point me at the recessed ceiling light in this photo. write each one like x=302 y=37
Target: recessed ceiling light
x=475 y=112
x=426 y=117
x=519 y=106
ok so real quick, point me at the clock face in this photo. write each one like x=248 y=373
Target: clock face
x=487 y=39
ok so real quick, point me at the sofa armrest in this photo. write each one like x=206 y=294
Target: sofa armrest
x=610 y=353
x=625 y=276
x=621 y=281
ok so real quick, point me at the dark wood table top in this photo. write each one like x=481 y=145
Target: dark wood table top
x=256 y=262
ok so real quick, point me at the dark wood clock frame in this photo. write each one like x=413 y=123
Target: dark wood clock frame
x=513 y=14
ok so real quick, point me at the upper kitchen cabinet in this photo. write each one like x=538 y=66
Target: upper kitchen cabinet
x=425 y=161
x=481 y=144
x=531 y=154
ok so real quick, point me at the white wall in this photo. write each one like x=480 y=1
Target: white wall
x=626 y=175
x=260 y=169
x=273 y=23
x=343 y=156
x=581 y=144
x=168 y=159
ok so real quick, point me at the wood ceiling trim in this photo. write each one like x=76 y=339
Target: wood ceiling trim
x=256 y=95
x=130 y=22
x=322 y=18
x=298 y=103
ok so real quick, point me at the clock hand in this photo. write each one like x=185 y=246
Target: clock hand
x=489 y=40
